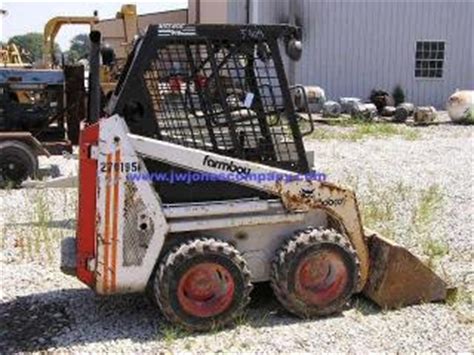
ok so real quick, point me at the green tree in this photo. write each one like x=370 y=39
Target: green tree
x=80 y=46
x=31 y=45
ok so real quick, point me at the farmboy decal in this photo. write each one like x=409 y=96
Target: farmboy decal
x=225 y=166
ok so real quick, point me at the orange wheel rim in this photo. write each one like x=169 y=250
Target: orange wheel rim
x=321 y=278
x=206 y=290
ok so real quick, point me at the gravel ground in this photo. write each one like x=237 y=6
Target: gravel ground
x=42 y=309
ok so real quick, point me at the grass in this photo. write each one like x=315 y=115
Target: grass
x=460 y=296
x=469 y=118
x=31 y=229
x=242 y=319
x=42 y=218
x=3 y=236
x=429 y=202
x=461 y=301
x=375 y=213
x=251 y=320
x=357 y=130
x=379 y=207
x=434 y=249
x=363 y=306
x=406 y=215
x=170 y=333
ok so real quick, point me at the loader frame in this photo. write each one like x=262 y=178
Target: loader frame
x=172 y=113
x=124 y=207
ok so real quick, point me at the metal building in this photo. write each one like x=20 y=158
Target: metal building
x=113 y=30
x=354 y=46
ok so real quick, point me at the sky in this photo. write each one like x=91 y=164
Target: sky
x=31 y=16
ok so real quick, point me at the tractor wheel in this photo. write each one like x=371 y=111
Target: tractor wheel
x=17 y=163
x=315 y=273
x=202 y=284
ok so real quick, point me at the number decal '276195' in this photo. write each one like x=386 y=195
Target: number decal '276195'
x=123 y=167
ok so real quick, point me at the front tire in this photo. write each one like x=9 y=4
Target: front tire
x=202 y=284
x=315 y=273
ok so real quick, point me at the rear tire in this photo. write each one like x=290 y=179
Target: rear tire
x=202 y=284
x=17 y=163
x=315 y=273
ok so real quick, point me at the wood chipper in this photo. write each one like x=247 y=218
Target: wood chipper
x=198 y=185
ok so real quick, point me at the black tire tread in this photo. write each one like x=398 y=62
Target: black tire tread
x=189 y=249
x=25 y=155
x=281 y=263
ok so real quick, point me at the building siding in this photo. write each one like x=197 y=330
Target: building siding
x=113 y=31
x=352 y=47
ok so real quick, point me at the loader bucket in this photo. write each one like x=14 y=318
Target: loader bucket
x=397 y=277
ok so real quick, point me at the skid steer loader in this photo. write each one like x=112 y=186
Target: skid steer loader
x=212 y=103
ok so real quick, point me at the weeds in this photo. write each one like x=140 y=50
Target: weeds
x=245 y=319
x=468 y=117
x=3 y=236
x=460 y=296
x=170 y=333
x=434 y=249
x=411 y=135
x=364 y=306
x=461 y=301
x=376 y=213
x=44 y=237
x=429 y=202
x=406 y=215
x=42 y=217
x=33 y=233
x=242 y=319
x=357 y=130
x=378 y=209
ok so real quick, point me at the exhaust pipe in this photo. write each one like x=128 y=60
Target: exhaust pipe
x=94 y=77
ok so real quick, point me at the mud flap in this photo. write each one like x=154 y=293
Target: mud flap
x=397 y=277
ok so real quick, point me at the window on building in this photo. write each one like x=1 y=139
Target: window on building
x=429 y=60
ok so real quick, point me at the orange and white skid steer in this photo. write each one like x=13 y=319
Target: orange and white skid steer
x=198 y=185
